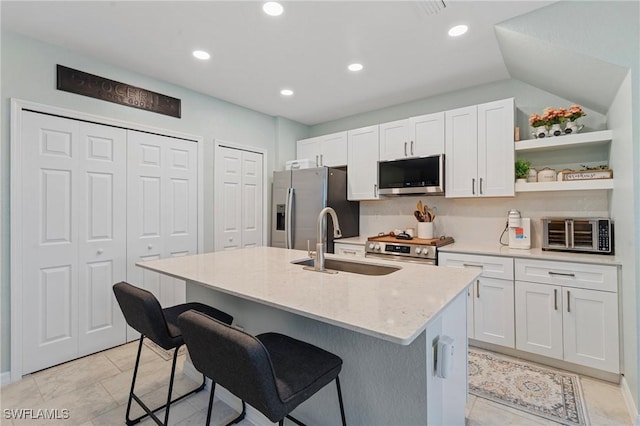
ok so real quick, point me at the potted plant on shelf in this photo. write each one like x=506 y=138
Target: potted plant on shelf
x=522 y=170
x=554 y=117
x=539 y=126
x=572 y=115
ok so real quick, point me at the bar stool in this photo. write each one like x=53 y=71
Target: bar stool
x=143 y=312
x=272 y=372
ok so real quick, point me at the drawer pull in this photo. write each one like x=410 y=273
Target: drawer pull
x=555 y=299
x=472 y=265
x=562 y=274
x=353 y=252
x=568 y=301
x=478 y=289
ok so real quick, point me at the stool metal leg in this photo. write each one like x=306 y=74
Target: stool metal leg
x=209 y=409
x=149 y=412
x=344 y=420
x=342 y=416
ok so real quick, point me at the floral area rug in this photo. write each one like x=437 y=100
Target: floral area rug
x=541 y=391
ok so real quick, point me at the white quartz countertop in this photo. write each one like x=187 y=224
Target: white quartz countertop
x=534 y=253
x=395 y=307
x=359 y=240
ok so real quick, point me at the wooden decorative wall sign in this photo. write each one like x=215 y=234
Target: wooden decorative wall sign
x=86 y=84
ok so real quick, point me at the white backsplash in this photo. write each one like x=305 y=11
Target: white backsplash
x=476 y=220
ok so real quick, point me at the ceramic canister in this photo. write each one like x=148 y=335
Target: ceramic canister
x=547 y=175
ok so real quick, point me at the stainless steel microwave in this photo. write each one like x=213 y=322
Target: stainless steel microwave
x=589 y=235
x=424 y=175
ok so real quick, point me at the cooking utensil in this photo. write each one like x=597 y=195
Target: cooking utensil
x=418 y=214
x=432 y=215
x=420 y=206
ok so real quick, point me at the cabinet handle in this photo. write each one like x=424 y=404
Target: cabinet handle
x=472 y=265
x=353 y=252
x=321 y=160
x=555 y=299
x=405 y=149
x=317 y=161
x=375 y=189
x=473 y=186
x=562 y=274
x=568 y=301
x=478 y=289
x=480 y=186
x=411 y=147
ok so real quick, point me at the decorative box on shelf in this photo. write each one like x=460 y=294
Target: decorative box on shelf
x=587 y=175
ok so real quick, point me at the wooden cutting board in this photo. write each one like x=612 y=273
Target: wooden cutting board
x=422 y=241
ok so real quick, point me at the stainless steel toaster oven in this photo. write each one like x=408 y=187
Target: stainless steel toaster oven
x=589 y=235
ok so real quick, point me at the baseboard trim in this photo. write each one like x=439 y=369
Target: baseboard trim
x=252 y=415
x=5 y=378
x=629 y=401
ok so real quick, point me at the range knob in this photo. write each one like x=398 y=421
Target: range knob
x=418 y=250
x=377 y=247
x=371 y=246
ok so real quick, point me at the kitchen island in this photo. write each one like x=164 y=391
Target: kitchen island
x=383 y=327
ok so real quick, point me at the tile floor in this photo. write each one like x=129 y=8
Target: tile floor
x=94 y=389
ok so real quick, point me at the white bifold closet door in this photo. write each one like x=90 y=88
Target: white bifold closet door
x=162 y=209
x=74 y=238
x=239 y=200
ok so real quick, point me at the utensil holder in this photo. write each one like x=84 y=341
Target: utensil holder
x=425 y=230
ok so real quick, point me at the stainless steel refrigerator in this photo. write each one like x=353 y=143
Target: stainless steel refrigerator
x=297 y=199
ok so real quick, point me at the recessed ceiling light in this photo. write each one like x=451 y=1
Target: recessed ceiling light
x=458 y=30
x=286 y=92
x=201 y=54
x=272 y=8
x=355 y=67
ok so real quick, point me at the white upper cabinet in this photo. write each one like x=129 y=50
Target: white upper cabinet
x=362 y=166
x=414 y=137
x=328 y=150
x=479 y=151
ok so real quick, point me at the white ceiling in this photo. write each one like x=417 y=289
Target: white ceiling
x=406 y=52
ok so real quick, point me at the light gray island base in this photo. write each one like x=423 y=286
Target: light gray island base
x=384 y=328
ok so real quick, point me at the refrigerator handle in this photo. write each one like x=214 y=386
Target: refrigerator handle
x=288 y=210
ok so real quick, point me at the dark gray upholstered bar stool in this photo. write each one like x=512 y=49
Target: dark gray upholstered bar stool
x=143 y=312
x=272 y=372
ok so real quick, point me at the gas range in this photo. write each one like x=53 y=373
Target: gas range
x=413 y=250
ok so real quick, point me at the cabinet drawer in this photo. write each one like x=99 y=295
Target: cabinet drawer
x=492 y=266
x=343 y=249
x=580 y=275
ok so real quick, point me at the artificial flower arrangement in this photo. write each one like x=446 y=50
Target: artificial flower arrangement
x=552 y=117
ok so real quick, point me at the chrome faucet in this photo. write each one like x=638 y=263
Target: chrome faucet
x=319 y=263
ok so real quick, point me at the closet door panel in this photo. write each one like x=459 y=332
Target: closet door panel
x=102 y=235
x=252 y=203
x=162 y=208
x=50 y=241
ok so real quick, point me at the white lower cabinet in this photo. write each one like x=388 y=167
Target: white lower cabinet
x=490 y=307
x=347 y=249
x=493 y=311
x=566 y=321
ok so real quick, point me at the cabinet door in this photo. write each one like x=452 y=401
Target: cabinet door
x=461 y=152
x=591 y=328
x=426 y=135
x=351 y=250
x=539 y=319
x=309 y=149
x=493 y=310
x=394 y=140
x=496 y=149
x=362 y=171
x=333 y=150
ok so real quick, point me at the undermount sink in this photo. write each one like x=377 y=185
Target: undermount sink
x=350 y=266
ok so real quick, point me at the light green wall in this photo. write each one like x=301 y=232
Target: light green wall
x=528 y=99
x=28 y=72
